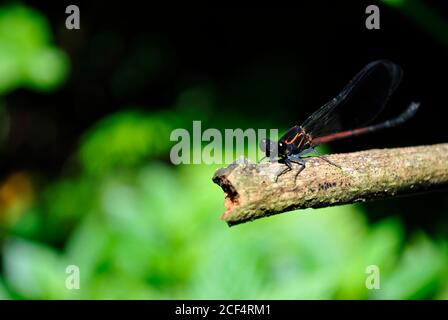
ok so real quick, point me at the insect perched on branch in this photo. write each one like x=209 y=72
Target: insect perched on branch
x=347 y=115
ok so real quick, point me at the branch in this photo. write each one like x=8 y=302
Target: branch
x=252 y=193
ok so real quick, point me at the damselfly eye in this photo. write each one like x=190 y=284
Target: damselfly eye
x=281 y=148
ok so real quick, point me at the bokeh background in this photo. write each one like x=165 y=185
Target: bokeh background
x=85 y=176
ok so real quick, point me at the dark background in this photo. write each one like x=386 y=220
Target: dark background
x=303 y=56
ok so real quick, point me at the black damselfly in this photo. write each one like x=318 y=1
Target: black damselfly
x=346 y=115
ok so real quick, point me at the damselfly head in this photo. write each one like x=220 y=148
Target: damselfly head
x=281 y=148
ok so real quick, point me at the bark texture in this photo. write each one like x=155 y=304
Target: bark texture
x=252 y=193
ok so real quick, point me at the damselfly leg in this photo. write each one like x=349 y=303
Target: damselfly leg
x=321 y=156
x=288 y=161
x=298 y=159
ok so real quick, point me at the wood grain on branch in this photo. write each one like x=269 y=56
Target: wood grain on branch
x=252 y=193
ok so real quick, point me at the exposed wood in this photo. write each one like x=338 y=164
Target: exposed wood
x=252 y=193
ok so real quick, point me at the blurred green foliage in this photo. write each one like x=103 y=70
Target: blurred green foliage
x=154 y=233
x=138 y=227
x=126 y=139
x=27 y=57
x=424 y=16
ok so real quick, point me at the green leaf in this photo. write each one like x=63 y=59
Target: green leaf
x=33 y=270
